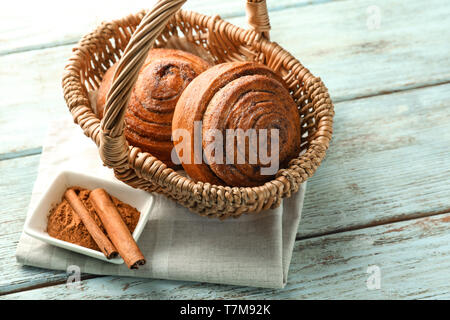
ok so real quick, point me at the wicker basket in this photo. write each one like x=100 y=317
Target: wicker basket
x=129 y=40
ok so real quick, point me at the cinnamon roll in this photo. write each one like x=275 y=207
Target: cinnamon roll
x=232 y=101
x=162 y=79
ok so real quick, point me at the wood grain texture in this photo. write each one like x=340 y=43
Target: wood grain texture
x=385 y=164
x=329 y=267
x=30 y=87
x=364 y=48
x=336 y=45
x=389 y=159
x=57 y=23
x=16 y=183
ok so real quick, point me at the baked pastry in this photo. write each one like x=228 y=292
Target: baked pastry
x=103 y=89
x=231 y=96
x=162 y=79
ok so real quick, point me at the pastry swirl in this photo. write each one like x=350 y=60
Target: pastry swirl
x=231 y=96
x=162 y=79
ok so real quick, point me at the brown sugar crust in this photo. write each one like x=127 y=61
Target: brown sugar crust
x=242 y=95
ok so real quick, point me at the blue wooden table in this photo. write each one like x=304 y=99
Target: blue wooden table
x=376 y=220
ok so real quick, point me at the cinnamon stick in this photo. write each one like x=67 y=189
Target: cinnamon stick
x=94 y=230
x=116 y=228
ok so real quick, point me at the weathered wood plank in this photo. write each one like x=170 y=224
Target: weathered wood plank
x=19 y=154
x=412 y=257
x=385 y=164
x=49 y=23
x=31 y=95
x=335 y=45
x=385 y=161
x=364 y=48
x=16 y=183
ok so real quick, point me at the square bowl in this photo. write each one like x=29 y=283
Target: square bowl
x=36 y=222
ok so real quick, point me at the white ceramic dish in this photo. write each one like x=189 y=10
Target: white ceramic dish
x=36 y=222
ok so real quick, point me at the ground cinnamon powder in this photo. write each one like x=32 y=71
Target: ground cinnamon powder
x=64 y=223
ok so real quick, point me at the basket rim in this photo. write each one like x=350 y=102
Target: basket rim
x=286 y=181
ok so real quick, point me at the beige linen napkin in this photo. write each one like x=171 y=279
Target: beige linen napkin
x=254 y=250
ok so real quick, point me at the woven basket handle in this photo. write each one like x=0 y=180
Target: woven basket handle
x=114 y=149
x=258 y=17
